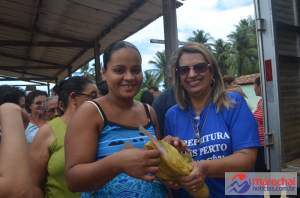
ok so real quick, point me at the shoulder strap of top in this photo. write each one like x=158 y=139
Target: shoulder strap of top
x=101 y=112
x=147 y=109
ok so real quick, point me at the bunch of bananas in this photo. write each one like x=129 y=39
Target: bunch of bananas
x=174 y=164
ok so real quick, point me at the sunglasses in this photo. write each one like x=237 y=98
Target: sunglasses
x=39 y=103
x=198 y=68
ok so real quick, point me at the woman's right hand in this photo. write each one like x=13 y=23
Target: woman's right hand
x=138 y=162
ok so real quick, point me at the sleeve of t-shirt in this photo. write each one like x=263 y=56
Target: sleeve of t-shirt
x=243 y=126
x=167 y=125
x=160 y=117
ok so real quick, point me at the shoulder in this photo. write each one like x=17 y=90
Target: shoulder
x=235 y=96
x=174 y=110
x=43 y=137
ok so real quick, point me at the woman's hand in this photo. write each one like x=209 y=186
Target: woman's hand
x=180 y=145
x=138 y=162
x=195 y=180
x=170 y=184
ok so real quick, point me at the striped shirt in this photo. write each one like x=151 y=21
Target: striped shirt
x=258 y=114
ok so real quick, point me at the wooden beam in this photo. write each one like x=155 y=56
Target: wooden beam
x=171 y=36
x=27 y=73
x=97 y=63
x=32 y=60
x=28 y=85
x=30 y=67
x=25 y=79
x=45 y=44
x=26 y=29
x=113 y=25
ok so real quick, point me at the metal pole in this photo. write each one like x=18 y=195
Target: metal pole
x=97 y=63
x=48 y=87
x=69 y=72
x=171 y=36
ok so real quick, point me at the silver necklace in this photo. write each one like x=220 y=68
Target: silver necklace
x=196 y=130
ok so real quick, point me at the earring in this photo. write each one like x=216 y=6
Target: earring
x=180 y=84
x=212 y=82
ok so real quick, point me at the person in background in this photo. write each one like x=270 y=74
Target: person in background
x=260 y=165
x=29 y=88
x=154 y=90
x=11 y=94
x=55 y=91
x=51 y=109
x=147 y=97
x=47 y=149
x=218 y=126
x=99 y=166
x=34 y=105
x=15 y=172
x=103 y=88
x=230 y=83
x=165 y=101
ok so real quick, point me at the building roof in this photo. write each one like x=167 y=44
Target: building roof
x=46 y=39
x=247 y=79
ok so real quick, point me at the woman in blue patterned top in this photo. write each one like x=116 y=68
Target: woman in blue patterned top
x=96 y=162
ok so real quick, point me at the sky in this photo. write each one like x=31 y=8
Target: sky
x=218 y=17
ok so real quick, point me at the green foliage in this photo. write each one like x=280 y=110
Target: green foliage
x=137 y=97
x=244 y=54
x=221 y=52
x=160 y=72
x=201 y=37
x=86 y=71
x=237 y=57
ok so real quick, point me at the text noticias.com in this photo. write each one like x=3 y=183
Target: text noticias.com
x=266 y=188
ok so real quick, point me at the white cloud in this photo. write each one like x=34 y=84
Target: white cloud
x=217 y=17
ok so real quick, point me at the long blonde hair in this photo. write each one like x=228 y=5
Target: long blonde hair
x=218 y=92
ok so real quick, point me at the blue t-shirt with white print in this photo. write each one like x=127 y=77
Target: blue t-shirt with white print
x=223 y=134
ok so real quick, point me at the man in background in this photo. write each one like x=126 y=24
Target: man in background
x=155 y=91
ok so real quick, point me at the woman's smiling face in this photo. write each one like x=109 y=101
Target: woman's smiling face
x=124 y=73
x=194 y=83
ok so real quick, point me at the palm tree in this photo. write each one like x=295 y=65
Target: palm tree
x=201 y=37
x=161 y=67
x=244 y=56
x=221 y=52
x=150 y=79
x=86 y=71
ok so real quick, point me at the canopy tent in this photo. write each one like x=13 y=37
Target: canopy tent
x=43 y=40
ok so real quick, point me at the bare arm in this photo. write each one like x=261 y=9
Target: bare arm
x=82 y=172
x=39 y=156
x=15 y=173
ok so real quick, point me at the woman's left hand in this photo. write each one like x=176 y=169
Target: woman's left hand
x=195 y=180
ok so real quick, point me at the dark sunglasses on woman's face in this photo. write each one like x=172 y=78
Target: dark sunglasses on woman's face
x=198 y=68
x=39 y=103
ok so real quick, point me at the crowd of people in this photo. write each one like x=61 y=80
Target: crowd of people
x=72 y=143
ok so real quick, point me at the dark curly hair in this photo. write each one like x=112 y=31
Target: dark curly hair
x=147 y=97
x=11 y=94
x=103 y=88
x=30 y=97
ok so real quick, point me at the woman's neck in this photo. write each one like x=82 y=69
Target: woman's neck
x=120 y=103
x=36 y=116
x=198 y=103
x=68 y=114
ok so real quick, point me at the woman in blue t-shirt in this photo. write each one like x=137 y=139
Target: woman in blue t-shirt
x=217 y=126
